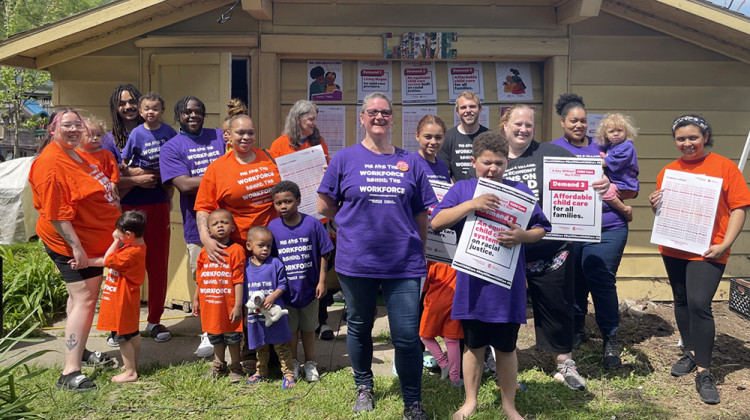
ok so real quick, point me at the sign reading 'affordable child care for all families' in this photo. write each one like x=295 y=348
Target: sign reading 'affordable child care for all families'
x=479 y=252
x=569 y=201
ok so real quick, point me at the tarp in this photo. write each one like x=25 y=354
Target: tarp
x=32 y=107
x=17 y=214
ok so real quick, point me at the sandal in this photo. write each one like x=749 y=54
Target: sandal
x=96 y=359
x=288 y=382
x=75 y=382
x=255 y=379
x=160 y=333
x=235 y=373
x=217 y=369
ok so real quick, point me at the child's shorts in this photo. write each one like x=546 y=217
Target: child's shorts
x=230 y=338
x=304 y=319
x=69 y=274
x=501 y=336
x=125 y=337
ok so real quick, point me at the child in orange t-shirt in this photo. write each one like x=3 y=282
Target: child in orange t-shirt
x=218 y=296
x=91 y=145
x=120 y=308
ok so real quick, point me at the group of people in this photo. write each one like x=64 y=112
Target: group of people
x=383 y=204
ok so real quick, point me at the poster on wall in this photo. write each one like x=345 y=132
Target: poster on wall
x=374 y=76
x=593 y=121
x=418 y=82
x=463 y=76
x=332 y=127
x=514 y=81
x=325 y=78
x=410 y=117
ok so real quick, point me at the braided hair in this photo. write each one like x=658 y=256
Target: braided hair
x=119 y=132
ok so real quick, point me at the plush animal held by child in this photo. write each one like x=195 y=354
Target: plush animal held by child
x=255 y=305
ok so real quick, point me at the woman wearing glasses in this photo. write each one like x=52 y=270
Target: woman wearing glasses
x=77 y=214
x=379 y=196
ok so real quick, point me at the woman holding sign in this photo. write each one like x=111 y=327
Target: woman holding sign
x=379 y=196
x=694 y=278
x=300 y=130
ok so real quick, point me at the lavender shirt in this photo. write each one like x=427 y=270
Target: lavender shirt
x=622 y=165
x=479 y=299
x=379 y=196
x=611 y=219
x=437 y=171
x=300 y=247
x=267 y=277
x=108 y=143
x=142 y=151
x=190 y=155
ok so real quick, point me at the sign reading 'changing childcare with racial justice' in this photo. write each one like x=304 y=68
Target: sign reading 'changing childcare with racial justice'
x=570 y=202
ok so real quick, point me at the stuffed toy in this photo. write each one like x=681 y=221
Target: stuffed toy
x=255 y=305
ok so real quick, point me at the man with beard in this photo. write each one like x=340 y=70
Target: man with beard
x=456 y=151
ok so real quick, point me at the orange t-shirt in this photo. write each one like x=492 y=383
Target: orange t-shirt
x=281 y=147
x=439 y=288
x=106 y=162
x=734 y=194
x=215 y=284
x=120 y=309
x=243 y=189
x=78 y=192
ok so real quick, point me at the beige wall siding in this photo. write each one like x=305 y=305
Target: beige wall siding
x=619 y=66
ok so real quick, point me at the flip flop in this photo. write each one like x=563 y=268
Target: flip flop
x=75 y=382
x=288 y=383
x=160 y=329
x=255 y=379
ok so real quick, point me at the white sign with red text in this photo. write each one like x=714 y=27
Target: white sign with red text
x=441 y=246
x=570 y=202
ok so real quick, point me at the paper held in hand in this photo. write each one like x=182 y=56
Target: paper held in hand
x=569 y=201
x=686 y=213
x=305 y=168
x=441 y=246
x=479 y=253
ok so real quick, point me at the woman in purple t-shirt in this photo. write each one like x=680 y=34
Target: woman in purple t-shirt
x=379 y=196
x=596 y=262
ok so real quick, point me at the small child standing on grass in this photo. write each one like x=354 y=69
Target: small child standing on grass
x=91 y=144
x=120 y=309
x=615 y=135
x=266 y=274
x=304 y=246
x=218 y=297
x=490 y=314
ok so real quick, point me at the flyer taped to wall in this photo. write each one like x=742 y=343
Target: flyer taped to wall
x=305 y=168
x=479 y=253
x=687 y=211
x=569 y=200
x=441 y=246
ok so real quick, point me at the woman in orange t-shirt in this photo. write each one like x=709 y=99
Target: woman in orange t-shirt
x=694 y=278
x=300 y=131
x=77 y=213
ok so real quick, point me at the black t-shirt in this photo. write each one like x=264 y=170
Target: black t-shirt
x=456 y=153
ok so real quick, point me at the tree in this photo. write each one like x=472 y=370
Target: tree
x=17 y=85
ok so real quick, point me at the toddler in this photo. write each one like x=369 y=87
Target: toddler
x=218 y=297
x=615 y=135
x=266 y=273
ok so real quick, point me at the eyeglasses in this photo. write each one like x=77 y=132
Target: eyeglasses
x=72 y=126
x=386 y=113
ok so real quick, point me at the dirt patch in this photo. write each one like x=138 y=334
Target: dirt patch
x=650 y=346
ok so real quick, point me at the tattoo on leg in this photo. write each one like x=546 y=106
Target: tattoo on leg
x=71 y=343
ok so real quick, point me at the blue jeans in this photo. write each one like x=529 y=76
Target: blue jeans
x=596 y=271
x=402 y=304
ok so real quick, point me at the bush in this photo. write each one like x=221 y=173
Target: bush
x=15 y=398
x=31 y=286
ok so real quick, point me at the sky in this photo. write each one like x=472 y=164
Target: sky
x=745 y=9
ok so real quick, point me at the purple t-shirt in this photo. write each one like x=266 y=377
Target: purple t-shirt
x=300 y=247
x=479 y=299
x=437 y=171
x=267 y=277
x=622 y=165
x=186 y=155
x=108 y=143
x=142 y=151
x=379 y=196
x=611 y=219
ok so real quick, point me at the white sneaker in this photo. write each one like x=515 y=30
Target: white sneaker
x=205 y=348
x=311 y=371
x=296 y=369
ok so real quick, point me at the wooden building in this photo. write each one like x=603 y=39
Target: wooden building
x=652 y=59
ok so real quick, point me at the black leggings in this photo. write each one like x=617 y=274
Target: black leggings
x=694 y=284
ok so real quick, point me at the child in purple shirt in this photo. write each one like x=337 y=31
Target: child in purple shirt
x=490 y=314
x=615 y=135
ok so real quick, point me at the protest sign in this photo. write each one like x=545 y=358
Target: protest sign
x=569 y=201
x=441 y=246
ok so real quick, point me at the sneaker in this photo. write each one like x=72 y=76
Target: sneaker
x=445 y=372
x=489 y=361
x=112 y=340
x=326 y=333
x=706 y=387
x=685 y=365
x=311 y=371
x=611 y=353
x=295 y=368
x=578 y=339
x=338 y=297
x=414 y=412
x=365 y=399
x=568 y=374
x=458 y=384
